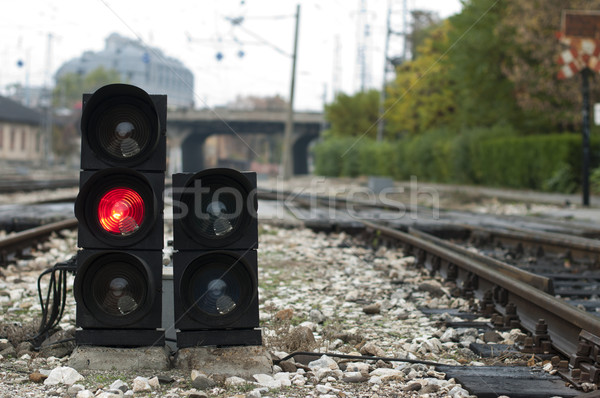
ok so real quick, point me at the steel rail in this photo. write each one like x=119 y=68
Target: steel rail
x=23 y=239
x=550 y=240
x=565 y=322
x=539 y=282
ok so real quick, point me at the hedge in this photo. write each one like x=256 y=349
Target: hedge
x=492 y=156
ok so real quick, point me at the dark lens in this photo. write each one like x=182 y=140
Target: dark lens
x=218 y=284
x=118 y=288
x=219 y=207
x=123 y=131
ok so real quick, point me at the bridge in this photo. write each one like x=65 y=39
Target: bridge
x=188 y=130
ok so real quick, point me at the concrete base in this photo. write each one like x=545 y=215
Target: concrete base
x=229 y=361
x=110 y=358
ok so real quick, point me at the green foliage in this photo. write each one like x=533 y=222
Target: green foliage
x=422 y=96
x=353 y=115
x=466 y=151
x=528 y=162
x=563 y=180
x=69 y=88
x=475 y=63
x=595 y=180
x=349 y=158
x=328 y=157
x=428 y=156
x=494 y=156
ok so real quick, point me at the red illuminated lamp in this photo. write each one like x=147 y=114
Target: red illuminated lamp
x=121 y=211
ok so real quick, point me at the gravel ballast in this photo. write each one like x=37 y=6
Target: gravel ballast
x=318 y=292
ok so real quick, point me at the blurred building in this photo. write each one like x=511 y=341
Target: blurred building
x=142 y=66
x=20 y=136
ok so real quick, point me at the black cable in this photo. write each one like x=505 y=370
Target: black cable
x=57 y=292
x=361 y=358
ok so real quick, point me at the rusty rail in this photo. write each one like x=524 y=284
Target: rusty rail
x=16 y=242
x=553 y=323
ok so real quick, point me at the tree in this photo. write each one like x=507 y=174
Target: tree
x=69 y=87
x=477 y=56
x=421 y=27
x=422 y=97
x=531 y=65
x=353 y=115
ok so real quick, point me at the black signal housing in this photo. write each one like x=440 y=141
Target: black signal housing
x=118 y=281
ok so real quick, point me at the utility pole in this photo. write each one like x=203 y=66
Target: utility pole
x=382 y=93
x=585 y=112
x=49 y=157
x=286 y=156
x=405 y=30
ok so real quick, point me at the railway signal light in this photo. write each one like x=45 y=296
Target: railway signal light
x=118 y=280
x=215 y=235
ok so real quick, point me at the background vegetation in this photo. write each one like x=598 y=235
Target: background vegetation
x=478 y=103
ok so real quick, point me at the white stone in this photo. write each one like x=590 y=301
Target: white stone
x=375 y=380
x=449 y=335
x=322 y=389
x=386 y=374
x=323 y=373
x=140 y=384
x=283 y=378
x=119 y=385
x=353 y=377
x=267 y=381
x=361 y=367
x=63 y=375
x=235 y=381
x=299 y=381
x=154 y=383
x=85 y=394
x=323 y=362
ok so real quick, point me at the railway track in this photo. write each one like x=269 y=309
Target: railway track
x=16 y=245
x=25 y=185
x=511 y=296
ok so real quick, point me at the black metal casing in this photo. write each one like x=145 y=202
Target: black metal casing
x=229 y=259
x=147 y=317
x=150 y=236
x=189 y=317
x=246 y=234
x=118 y=282
x=153 y=157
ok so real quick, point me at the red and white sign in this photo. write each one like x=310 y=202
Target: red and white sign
x=580 y=31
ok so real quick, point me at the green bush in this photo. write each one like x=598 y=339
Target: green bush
x=563 y=180
x=493 y=156
x=531 y=161
x=467 y=154
x=595 y=180
x=328 y=155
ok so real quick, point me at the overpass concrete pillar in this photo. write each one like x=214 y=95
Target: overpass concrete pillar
x=300 y=152
x=192 y=152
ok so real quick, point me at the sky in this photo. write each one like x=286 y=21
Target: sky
x=44 y=34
